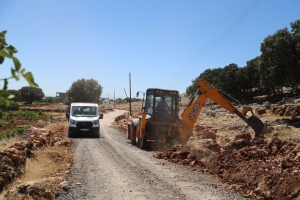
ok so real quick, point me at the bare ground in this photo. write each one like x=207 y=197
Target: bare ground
x=111 y=168
x=267 y=168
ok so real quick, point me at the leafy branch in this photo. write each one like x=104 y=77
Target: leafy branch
x=8 y=51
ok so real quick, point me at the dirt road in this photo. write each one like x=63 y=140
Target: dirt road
x=109 y=167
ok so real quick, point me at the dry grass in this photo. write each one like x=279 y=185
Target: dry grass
x=7 y=142
x=46 y=163
x=134 y=105
x=57 y=127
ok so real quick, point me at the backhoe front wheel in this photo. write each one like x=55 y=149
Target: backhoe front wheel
x=132 y=136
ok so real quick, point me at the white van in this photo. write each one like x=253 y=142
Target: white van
x=83 y=119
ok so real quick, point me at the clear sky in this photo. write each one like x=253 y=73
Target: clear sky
x=162 y=43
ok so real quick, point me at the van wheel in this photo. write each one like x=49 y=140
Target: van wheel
x=70 y=135
x=132 y=137
x=128 y=131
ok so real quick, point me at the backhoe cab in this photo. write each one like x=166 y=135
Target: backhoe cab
x=161 y=105
x=160 y=120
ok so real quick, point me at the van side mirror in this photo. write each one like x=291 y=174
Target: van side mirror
x=100 y=116
x=67 y=115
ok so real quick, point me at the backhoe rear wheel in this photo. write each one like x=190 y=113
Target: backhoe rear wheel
x=142 y=143
x=128 y=131
x=132 y=136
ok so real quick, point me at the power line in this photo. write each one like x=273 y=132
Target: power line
x=215 y=41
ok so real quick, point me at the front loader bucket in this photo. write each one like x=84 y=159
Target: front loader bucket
x=259 y=127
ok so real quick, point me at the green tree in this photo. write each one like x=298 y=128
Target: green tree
x=229 y=81
x=84 y=90
x=8 y=51
x=248 y=77
x=280 y=59
x=211 y=75
x=16 y=93
x=30 y=94
x=294 y=69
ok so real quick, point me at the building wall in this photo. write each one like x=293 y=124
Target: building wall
x=61 y=96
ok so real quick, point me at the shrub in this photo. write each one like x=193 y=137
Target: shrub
x=50 y=100
x=13 y=132
x=28 y=115
x=9 y=118
x=13 y=106
x=59 y=109
x=40 y=112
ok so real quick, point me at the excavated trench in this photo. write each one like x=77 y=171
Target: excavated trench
x=262 y=169
x=258 y=168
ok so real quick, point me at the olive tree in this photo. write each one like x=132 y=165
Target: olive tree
x=84 y=90
x=30 y=94
x=8 y=51
x=16 y=93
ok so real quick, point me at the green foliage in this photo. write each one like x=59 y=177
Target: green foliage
x=16 y=93
x=84 y=90
x=211 y=75
x=1 y=124
x=40 y=112
x=9 y=118
x=47 y=118
x=280 y=60
x=13 y=106
x=13 y=132
x=132 y=99
x=28 y=115
x=50 y=100
x=8 y=51
x=228 y=80
x=30 y=94
x=275 y=59
x=59 y=109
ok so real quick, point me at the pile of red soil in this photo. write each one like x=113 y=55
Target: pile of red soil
x=262 y=169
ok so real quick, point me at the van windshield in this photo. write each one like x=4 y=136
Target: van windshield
x=84 y=111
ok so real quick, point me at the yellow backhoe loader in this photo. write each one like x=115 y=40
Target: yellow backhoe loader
x=160 y=120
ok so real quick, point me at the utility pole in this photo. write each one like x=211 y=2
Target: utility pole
x=130 y=93
x=114 y=99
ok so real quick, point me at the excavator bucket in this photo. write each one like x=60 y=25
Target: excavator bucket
x=259 y=127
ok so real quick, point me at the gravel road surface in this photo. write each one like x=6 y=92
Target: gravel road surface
x=109 y=167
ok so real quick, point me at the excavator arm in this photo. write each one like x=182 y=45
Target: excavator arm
x=191 y=113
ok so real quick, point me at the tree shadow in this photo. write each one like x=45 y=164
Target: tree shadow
x=295 y=122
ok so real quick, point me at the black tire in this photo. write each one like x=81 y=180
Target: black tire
x=70 y=135
x=142 y=143
x=96 y=132
x=128 y=131
x=133 y=138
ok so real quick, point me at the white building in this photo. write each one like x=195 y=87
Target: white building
x=107 y=102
